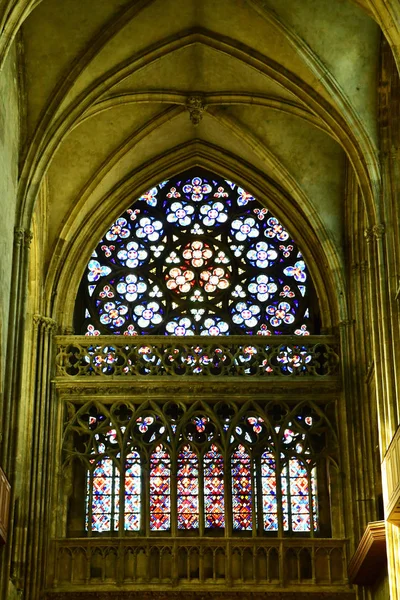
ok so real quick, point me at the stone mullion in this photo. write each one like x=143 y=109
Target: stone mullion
x=201 y=502
x=259 y=491
x=254 y=490
x=173 y=453
x=145 y=504
x=228 y=493
x=278 y=476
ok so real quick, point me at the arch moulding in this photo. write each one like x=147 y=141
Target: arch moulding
x=82 y=233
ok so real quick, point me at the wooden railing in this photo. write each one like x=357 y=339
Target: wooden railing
x=225 y=356
x=160 y=563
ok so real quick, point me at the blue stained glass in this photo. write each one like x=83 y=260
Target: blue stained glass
x=295 y=482
x=103 y=496
x=132 y=500
x=196 y=240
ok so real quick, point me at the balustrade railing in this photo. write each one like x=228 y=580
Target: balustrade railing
x=231 y=356
x=226 y=562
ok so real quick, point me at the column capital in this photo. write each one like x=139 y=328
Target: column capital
x=378 y=231
x=47 y=323
x=19 y=234
x=369 y=234
x=28 y=237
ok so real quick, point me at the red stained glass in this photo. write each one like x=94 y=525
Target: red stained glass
x=160 y=490
x=214 y=504
x=188 y=489
x=241 y=482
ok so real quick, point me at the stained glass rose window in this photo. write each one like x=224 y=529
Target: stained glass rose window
x=196 y=255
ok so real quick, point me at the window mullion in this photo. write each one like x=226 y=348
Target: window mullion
x=201 y=494
x=145 y=506
x=259 y=492
x=122 y=470
x=289 y=496
x=279 y=495
x=254 y=504
x=228 y=494
x=90 y=502
x=173 y=492
x=310 y=498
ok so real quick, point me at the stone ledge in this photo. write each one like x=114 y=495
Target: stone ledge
x=370 y=556
x=200 y=595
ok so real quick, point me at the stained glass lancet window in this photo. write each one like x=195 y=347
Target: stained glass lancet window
x=188 y=489
x=132 y=496
x=196 y=255
x=268 y=492
x=102 y=506
x=242 y=492
x=298 y=494
x=214 y=498
x=160 y=489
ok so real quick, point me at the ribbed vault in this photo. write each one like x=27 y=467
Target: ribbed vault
x=110 y=111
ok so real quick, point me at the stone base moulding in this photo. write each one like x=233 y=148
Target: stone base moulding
x=184 y=595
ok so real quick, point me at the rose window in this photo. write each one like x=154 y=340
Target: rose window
x=196 y=255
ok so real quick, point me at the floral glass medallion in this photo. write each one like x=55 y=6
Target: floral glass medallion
x=196 y=255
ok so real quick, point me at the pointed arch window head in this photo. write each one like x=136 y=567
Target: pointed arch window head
x=196 y=255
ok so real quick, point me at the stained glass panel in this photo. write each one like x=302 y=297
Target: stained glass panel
x=188 y=489
x=132 y=492
x=103 y=489
x=293 y=442
x=196 y=255
x=241 y=489
x=160 y=490
x=268 y=487
x=214 y=500
x=296 y=493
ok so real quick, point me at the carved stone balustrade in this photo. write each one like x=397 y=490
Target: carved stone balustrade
x=264 y=565
x=284 y=357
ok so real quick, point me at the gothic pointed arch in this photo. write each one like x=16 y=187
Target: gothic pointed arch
x=196 y=255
